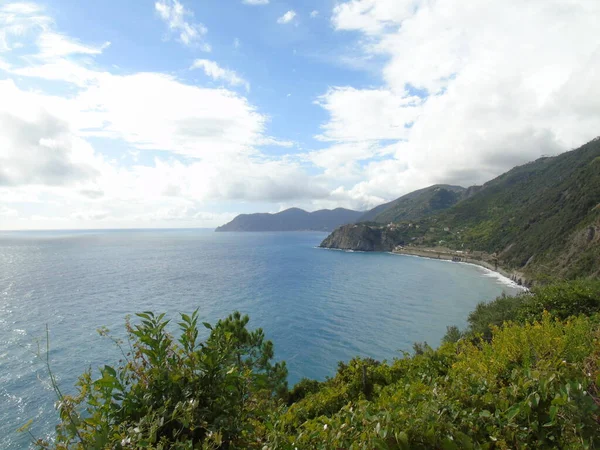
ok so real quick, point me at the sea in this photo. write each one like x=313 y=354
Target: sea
x=318 y=306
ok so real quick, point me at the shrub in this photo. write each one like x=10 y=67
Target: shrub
x=495 y=313
x=562 y=300
x=178 y=394
x=526 y=376
x=531 y=386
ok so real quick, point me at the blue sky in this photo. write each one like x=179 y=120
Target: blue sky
x=184 y=113
x=290 y=65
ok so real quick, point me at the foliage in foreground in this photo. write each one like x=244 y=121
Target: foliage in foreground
x=179 y=394
x=533 y=386
x=562 y=300
x=530 y=382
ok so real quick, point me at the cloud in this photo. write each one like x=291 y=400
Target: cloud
x=152 y=111
x=188 y=33
x=53 y=45
x=5 y=212
x=255 y=2
x=37 y=147
x=18 y=21
x=314 y=13
x=367 y=114
x=90 y=215
x=465 y=91
x=462 y=98
x=287 y=17
x=216 y=72
x=373 y=17
x=206 y=144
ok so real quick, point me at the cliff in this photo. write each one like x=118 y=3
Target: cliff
x=364 y=238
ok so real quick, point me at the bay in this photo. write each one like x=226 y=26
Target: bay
x=318 y=306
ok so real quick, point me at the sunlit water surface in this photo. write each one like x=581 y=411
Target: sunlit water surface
x=318 y=306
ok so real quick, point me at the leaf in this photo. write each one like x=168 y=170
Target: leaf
x=464 y=441
x=207 y=325
x=449 y=444
x=380 y=444
x=553 y=412
x=25 y=427
x=112 y=372
x=513 y=411
x=402 y=439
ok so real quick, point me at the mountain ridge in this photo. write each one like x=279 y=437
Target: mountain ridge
x=292 y=219
x=416 y=204
x=542 y=218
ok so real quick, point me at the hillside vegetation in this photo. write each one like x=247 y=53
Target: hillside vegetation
x=542 y=218
x=293 y=219
x=416 y=205
x=525 y=374
x=545 y=213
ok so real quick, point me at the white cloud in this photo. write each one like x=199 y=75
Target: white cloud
x=175 y=14
x=53 y=45
x=314 y=13
x=373 y=17
x=46 y=156
x=255 y=2
x=156 y=112
x=287 y=17
x=367 y=114
x=216 y=72
x=5 y=212
x=37 y=147
x=16 y=20
x=501 y=85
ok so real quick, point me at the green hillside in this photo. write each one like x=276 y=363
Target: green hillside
x=544 y=214
x=542 y=218
x=416 y=205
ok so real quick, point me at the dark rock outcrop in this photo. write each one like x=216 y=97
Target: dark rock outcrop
x=361 y=237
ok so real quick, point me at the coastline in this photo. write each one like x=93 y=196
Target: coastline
x=513 y=277
x=509 y=278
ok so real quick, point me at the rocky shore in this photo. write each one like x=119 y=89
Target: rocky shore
x=478 y=258
x=367 y=238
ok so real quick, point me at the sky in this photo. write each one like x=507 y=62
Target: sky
x=185 y=113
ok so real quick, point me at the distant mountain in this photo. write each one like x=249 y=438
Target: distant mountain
x=542 y=218
x=293 y=219
x=416 y=205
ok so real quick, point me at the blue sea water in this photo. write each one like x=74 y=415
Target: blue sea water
x=318 y=306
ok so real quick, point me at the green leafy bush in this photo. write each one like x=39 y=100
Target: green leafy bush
x=525 y=374
x=178 y=394
x=530 y=387
x=563 y=299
